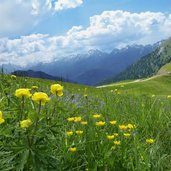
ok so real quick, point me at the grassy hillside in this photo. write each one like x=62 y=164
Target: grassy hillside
x=165 y=69
x=85 y=128
x=148 y=65
x=158 y=85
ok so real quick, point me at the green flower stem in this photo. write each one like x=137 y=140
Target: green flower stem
x=22 y=109
x=54 y=109
x=37 y=116
x=36 y=124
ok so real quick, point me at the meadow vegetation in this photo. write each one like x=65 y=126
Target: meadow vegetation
x=50 y=126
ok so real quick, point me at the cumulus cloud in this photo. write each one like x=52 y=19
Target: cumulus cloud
x=111 y=29
x=65 y=4
x=20 y=16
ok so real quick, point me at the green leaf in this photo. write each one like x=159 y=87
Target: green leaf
x=23 y=160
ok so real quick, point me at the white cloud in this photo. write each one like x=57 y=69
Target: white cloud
x=65 y=4
x=17 y=17
x=106 y=31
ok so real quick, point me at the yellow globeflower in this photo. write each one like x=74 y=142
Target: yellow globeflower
x=110 y=137
x=25 y=123
x=79 y=132
x=100 y=123
x=77 y=119
x=34 y=87
x=150 y=141
x=127 y=135
x=117 y=142
x=70 y=119
x=22 y=92
x=0 y=114
x=72 y=149
x=13 y=76
x=130 y=126
x=115 y=134
x=2 y=120
x=84 y=123
x=96 y=115
x=40 y=97
x=69 y=133
x=169 y=96
x=123 y=127
x=56 y=89
x=113 y=122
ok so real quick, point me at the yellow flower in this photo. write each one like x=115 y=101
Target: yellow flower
x=117 y=142
x=22 y=92
x=2 y=120
x=97 y=116
x=113 y=122
x=69 y=133
x=56 y=89
x=115 y=134
x=169 y=96
x=130 y=126
x=72 y=149
x=70 y=119
x=40 y=98
x=0 y=114
x=79 y=132
x=100 y=123
x=34 y=87
x=153 y=95
x=84 y=123
x=25 y=123
x=127 y=135
x=110 y=137
x=77 y=119
x=85 y=95
x=150 y=141
x=123 y=127
x=13 y=76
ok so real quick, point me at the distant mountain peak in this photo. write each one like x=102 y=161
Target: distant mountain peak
x=94 y=51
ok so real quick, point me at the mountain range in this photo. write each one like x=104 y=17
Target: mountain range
x=95 y=66
x=148 y=65
x=39 y=74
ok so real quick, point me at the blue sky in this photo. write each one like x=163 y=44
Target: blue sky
x=59 y=23
x=47 y=30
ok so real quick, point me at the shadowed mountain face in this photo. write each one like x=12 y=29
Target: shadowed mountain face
x=95 y=66
x=38 y=74
x=147 y=65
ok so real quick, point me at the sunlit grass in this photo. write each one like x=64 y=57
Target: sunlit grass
x=82 y=128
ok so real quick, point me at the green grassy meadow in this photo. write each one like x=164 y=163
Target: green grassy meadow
x=116 y=128
x=157 y=85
